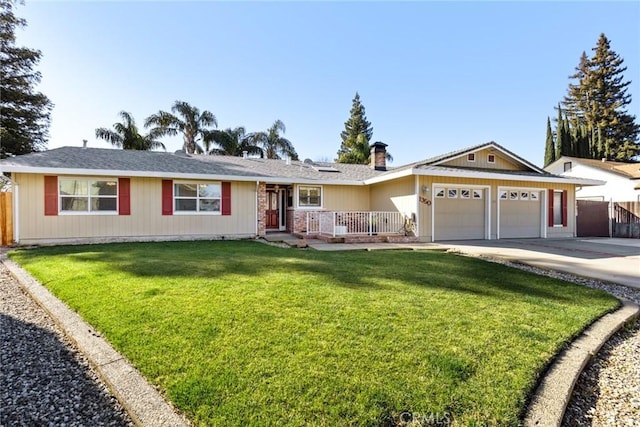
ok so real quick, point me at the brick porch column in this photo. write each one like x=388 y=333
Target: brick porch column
x=262 y=208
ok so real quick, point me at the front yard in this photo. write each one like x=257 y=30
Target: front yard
x=240 y=333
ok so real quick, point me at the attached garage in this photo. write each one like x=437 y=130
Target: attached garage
x=460 y=213
x=520 y=213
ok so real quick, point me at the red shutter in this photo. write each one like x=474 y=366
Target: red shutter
x=226 y=198
x=124 y=196
x=550 y=202
x=564 y=208
x=50 y=195
x=167 y=197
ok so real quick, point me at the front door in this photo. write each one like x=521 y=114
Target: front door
x=273 y=219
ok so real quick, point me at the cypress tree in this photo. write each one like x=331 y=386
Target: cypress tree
x=24 y=112
x=563 y=136
x=549 y=148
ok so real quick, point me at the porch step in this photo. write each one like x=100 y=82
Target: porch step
x=287 y=239
x=296 y=243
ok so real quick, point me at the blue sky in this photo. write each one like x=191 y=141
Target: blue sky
x=433 y=76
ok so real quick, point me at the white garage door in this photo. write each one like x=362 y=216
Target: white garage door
x=520 y=213
x=459 y=213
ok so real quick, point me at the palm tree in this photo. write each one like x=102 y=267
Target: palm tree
x=233 y=142
x=188 y=121
x=273 y=144
x=126 y=135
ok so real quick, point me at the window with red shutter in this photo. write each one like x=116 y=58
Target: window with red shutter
x=167 y=197
x=124 y=196
x=226 y=198
x=51 y=195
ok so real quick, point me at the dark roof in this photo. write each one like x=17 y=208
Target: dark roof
x=484 y=170
x=78 y=160
x=433 y=161
x=175 y=164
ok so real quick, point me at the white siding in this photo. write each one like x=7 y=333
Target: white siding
x=617 y=187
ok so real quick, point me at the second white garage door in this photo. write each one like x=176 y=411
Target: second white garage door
x=459 y=213
x=520 y=214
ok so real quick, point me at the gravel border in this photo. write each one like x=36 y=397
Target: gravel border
x=44 y=379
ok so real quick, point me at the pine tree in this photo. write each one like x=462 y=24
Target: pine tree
x=549 y=148
x=24 y=112
x=608 y=112
x=575 y=103
x=596 y=107
x=351 y=149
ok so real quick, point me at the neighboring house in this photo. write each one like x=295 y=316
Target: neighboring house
x=622 y=180
x=87 y=194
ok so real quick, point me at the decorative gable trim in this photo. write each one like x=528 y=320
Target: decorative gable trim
x=515 y=158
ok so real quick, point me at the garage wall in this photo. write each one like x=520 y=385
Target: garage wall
x=394 y=196
x=426 y=201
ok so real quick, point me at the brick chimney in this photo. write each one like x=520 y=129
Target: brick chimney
x=379 y=156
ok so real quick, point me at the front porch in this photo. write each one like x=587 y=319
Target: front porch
x=356 y=226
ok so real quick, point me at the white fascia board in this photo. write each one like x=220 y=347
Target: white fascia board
x=507 y=177
x=174 y=175
x=390 y=176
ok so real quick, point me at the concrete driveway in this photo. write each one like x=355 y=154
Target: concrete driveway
x=612 y=260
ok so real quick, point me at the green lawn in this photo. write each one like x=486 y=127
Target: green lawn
x=241 y=333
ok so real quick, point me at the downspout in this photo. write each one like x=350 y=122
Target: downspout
x=16 y=212
x=417 y=191
x=257 y=211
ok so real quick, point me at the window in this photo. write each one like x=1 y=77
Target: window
x=194 y=197
x=477 y=194
x=471 y=157
x=491 y=158
x=452 y=193
x=503 y=195
x=439 y=193
x=309 y=197
x=524 y=195
x=557 y=209
x=534 y=195
x=465 y=193
x=567 y=166
x=88 y=195
x=513 y=195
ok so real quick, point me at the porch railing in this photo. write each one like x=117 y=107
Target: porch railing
x=354 y=223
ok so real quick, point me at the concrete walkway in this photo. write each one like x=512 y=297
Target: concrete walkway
x=608 y=259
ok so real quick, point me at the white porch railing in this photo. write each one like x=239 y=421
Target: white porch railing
x=354 y=223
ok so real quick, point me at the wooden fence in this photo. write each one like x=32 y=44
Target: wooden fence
x=6 y=218
x=626 y=219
